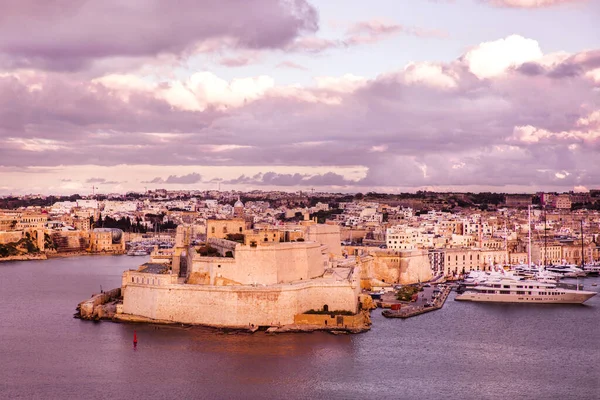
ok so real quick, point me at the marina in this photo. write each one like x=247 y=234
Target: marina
x=461 y=342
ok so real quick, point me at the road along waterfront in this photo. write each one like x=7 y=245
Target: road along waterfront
x=463 y=351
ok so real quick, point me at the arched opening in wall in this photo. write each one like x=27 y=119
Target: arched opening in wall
x=325 y=308
x=383 y=280
x=266 y=239
x=240 y=229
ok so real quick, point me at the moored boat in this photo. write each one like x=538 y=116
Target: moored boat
x=515 y=291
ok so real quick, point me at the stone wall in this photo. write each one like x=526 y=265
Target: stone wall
x=220 y=228
x=328 y=235
x=232 y=306
x=70 y=241
x=403 y=267
x=11 y=236
x=342 y=321
x=267 y=264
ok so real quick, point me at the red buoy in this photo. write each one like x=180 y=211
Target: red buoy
x=134 y=339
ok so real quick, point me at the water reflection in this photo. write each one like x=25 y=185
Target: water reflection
x=466 y=350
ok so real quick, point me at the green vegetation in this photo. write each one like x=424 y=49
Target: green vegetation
x=48 y=243
x=405 y=293
x=207 y=250
x=235 y=237
x=126 y=225
x=23 y=246
x=323 y=216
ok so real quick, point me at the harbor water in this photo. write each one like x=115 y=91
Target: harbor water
x=463 y=351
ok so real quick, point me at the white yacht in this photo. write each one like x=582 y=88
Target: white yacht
x=508 y=290
x=592 y=269
x=568 y=271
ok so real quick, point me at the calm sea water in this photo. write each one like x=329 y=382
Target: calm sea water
x=464 y=351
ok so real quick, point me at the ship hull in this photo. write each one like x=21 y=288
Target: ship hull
x=577 y=297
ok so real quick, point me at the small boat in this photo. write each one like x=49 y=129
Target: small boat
x=137 y=252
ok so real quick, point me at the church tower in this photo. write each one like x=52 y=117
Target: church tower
x=238 y=209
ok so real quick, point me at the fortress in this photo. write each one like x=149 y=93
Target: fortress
x=249 y=278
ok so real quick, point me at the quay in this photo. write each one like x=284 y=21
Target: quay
x=413 y=310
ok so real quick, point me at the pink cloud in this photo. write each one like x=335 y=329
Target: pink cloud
x=292 y=65
x=72 y=34
x=532 y=3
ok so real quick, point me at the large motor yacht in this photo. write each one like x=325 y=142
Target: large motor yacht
x=568 y=271
x=507 y=290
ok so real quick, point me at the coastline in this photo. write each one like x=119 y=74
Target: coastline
x=105 y=307
x=51 y=255
x=25 y=257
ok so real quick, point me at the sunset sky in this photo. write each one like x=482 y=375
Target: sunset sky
x=336 y=95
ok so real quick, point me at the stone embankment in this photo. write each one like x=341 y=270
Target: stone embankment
x=411 y=311
x=25 y=257
x=107 y=306
x=99 y=306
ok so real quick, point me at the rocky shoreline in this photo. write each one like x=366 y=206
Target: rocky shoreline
x=50 y=255
x=25 y=257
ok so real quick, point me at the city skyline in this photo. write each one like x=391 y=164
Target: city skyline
x=498 y=95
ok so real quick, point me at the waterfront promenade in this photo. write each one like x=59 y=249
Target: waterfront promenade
x=420 y=307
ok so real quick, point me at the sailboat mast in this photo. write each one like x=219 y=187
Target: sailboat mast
x=529 y=230
x=582 y=260
x=545 y=238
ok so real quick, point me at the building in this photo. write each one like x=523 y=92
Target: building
x=258 y=284
x=562 y=202
x=220 y=228
x=518 y=200
x=238 y=209
x=107 y=240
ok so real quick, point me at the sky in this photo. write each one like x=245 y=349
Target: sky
x=335 y=95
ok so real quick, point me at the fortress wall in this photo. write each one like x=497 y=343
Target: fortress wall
x=11 y=236
x=235 y=306
x=329 y=235
x=266 y=264
x=403 y=267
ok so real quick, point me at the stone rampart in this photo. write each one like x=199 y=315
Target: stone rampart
x=266 y=264
x=233 y=306
x=403 y=267
x=342 y=321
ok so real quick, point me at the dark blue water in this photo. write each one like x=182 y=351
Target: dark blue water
x=464 y=351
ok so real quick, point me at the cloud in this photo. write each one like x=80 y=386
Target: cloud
x=532 y=3
x=174 y=179
x=515 y=118
x=375 y=30
x=199 y=92
x=361 y=33
x=277 y=179
x=490 y=59
x=95 y=180
x=141 y=29
x=292 y=65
